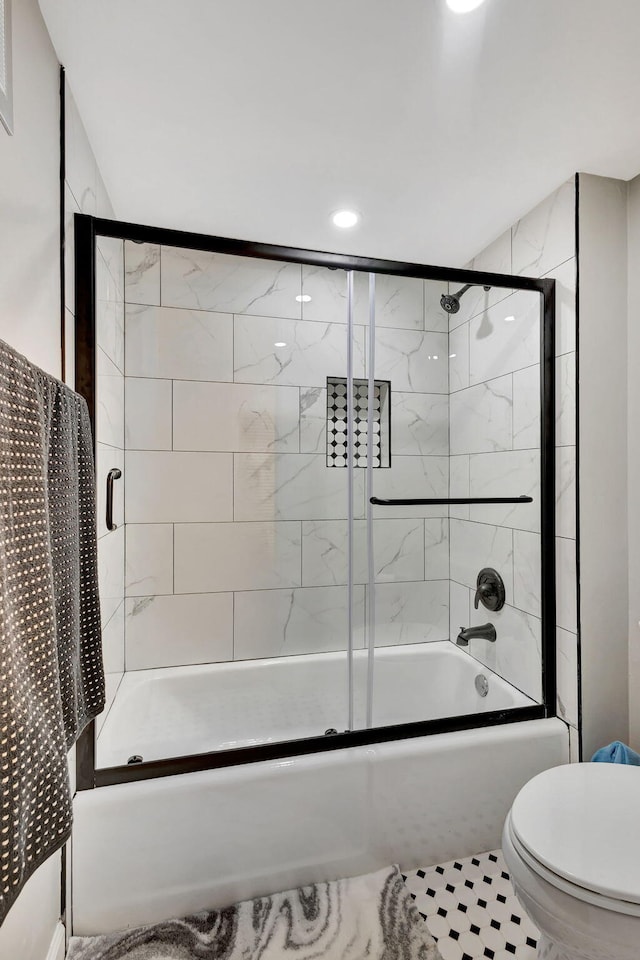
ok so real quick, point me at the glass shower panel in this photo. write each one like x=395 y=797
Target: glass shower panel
x=236 y=605
x=495 y=432
x=464 y=393
x=110 y=430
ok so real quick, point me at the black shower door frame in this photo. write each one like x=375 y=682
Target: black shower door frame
x=87 y=230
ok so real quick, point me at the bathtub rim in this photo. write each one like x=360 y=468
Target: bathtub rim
x=90 y=777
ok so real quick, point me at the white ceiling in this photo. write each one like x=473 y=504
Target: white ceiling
x=257 y=118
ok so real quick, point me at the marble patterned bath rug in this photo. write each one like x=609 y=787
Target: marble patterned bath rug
x=361 y=918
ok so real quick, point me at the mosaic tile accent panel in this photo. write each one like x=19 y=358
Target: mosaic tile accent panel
x=337 y=422
x=471 y=910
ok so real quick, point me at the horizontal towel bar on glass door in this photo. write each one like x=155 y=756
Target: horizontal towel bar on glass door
x=431 y=501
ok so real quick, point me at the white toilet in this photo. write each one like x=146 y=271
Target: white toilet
x=571 y=842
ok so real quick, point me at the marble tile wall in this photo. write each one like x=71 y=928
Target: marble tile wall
x=494 y=377
x=232 y=515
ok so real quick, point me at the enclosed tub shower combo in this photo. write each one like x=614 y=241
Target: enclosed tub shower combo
x=326 y=524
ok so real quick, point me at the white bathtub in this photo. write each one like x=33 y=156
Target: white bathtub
x=180 y=711
x=164 y=848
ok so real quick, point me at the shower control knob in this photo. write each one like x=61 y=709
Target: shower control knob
x=490 y=590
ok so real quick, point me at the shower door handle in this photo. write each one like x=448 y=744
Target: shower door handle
x=114 y=474
x=434 y=501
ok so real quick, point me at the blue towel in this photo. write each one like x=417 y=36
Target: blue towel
x=616 y=752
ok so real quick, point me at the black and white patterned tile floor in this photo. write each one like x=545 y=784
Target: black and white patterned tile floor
x=471 y=909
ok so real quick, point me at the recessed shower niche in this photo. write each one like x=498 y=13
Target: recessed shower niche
x=378 y=419
x=268 y=598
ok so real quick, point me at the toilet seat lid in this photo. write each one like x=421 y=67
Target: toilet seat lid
x=581 y=822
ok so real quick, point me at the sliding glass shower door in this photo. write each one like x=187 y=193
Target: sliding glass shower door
x=323 y=470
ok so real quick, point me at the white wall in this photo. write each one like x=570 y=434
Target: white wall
x=633 y=474
x=29 y=197
x=30 y=322
x=602 y=355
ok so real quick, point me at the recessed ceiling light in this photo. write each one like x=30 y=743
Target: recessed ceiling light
x=345 y=218
x=279 y=343
x=452 y=355
x=509 y=319
x=303 y=298
x=463 y=6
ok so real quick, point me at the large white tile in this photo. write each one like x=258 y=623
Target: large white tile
x=292 y=486
x=481 y=417
x=398 y=551
x=478 y=545
x=516 y=654
x=229 y=284
x=514 y=473
x=175 y=631
x=399 y=302
x=419 y=424
x=505 y=338
x=110 y=327
x=178 y=344
x=104 y=207
x=235 y=417
x=459 y=485
x=567 y=674
x=460 y=600
x=412 y=478
x=545 y=237
x=566 y=598
x=527 y=561
x=565 y=277
x=435 y=316
x=178 y=487
x=108 y=608
x=436 y=546
x=111 y=566
x=148 y=414
x=142 y=273
x=80 y=172
x=109 y=402
x=411 y=612
x=149 y=559
x=293 y=352
x=113 y=642
x=274 y=623
x=526 y=408
x=313 y=420
x=108 y=458
x=328 y=291
x=566 y=400
x=566 y=492
x=495 y=257
x=111 y=249
x=236 y=556
x=459 y=358
x=414 y=362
